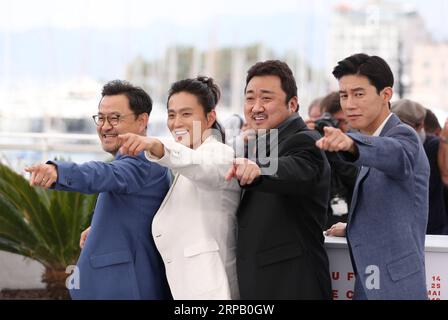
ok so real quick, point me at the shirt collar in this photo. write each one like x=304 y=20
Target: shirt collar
x=381 y=127
x=280 y=127
x=290 y=119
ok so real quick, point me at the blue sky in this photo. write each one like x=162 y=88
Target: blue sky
x=51 y=39
x=27 y=14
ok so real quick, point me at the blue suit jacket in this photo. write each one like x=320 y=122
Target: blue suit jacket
x=389 y=213
x=119 y=259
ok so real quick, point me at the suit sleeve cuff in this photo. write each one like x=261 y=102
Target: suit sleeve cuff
x=63 y=178
x=168 y=146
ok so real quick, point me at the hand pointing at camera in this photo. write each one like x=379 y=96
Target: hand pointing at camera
x=42 y=175
x=334 y=140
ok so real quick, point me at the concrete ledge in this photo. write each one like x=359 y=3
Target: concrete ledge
x=18 y=272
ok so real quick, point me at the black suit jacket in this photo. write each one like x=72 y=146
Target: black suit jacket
x=280 y=249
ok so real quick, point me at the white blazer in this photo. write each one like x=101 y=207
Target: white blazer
x=195 y=227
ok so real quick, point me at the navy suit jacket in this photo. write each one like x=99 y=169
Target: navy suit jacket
x=389 y=213
x=119 y=259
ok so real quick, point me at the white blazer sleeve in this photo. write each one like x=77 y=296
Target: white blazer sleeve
x=206 y=166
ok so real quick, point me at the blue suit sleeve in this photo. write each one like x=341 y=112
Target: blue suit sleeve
x=393 y=154
x=125 y=175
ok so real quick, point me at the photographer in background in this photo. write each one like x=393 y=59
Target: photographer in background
x=431 y=124
x=314 y=113
x=414 y=114
x=332 y=115
x=343 y=174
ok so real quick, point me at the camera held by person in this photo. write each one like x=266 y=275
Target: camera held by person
x=326 y=120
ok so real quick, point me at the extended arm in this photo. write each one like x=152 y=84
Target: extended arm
x=125 y=175
x=298 y=169
x=206 y=165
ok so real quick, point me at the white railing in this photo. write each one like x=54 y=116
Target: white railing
x=49 y=143
x=46 y=142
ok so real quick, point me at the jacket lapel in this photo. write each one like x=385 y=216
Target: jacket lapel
x=170 y=191
x=289 y=127
x=363 y=173
x=294 y=125
x=391 y=123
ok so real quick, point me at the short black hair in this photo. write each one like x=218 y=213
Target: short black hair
x=139 y=101
x=275 y=68
x=204 y=88
x=373 y=68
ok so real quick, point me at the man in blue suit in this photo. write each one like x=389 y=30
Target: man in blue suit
x=389 y=210
x=119 y=259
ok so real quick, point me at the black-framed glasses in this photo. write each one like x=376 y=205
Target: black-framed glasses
x=113 y=119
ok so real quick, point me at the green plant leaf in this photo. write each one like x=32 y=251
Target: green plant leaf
x=44 y=225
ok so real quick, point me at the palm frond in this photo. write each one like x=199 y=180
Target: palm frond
x=44 y=225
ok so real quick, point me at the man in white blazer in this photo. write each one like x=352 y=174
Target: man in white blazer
x=195 y=227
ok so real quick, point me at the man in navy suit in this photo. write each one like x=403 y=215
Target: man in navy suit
x=389 y=210
x=119 y=259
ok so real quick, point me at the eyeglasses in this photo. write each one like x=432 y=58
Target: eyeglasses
x=113 y=119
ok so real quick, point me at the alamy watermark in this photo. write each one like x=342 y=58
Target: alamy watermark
x=373 y=278
x=73 y=280
x=259 y=146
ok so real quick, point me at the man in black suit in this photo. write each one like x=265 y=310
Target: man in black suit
x=286 y=185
